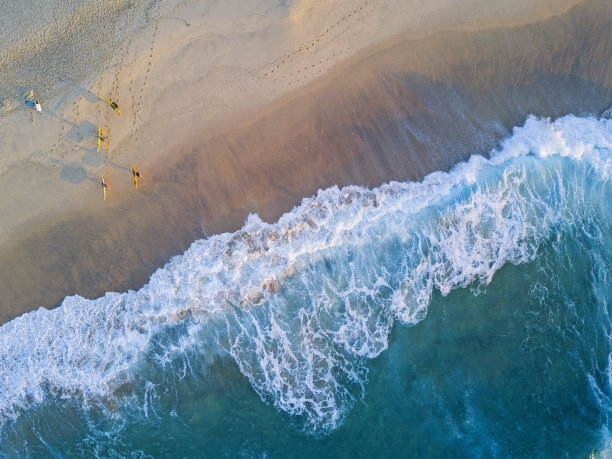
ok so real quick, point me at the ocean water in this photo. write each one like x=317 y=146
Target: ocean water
x=467 y=315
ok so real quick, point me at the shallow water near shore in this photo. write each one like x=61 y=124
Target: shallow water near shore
x=466 y=315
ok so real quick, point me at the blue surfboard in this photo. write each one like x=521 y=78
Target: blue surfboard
x=29 y=103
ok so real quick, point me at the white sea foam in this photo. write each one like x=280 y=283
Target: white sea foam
x=301 y=303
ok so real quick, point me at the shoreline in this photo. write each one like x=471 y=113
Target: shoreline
x=394 y=111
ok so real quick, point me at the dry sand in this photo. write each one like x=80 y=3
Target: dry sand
x=228 y=111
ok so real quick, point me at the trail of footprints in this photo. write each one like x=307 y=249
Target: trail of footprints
x=62 y=136
x=271 y=71
x=137 y=102
x=63 y=145
x=268 y=71
x=75 y=121
x=138 y=106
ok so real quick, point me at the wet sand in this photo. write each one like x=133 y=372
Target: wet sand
x=397 y=110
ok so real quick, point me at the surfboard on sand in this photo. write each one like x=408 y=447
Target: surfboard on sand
x=99 y=138
x=30 y=103
x=114 y=107
x=103 y=186
x=135 y=176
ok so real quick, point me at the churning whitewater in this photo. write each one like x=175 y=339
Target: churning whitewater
x=302 y=304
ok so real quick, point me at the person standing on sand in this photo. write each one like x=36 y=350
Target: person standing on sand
x=38 y=107
x=136 y=175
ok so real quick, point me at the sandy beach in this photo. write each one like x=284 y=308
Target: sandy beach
x=227 y=114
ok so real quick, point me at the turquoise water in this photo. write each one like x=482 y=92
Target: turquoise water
x=463 y=316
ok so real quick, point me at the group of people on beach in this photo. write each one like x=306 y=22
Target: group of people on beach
x=36 y=104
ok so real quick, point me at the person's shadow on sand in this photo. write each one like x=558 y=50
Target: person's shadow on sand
x=73 y=172
x=84 y=130
x=94 y=158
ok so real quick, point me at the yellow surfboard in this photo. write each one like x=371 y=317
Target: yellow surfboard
x=99 y=138
x=113 y=107
x=103 y=186
x=135 y=176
